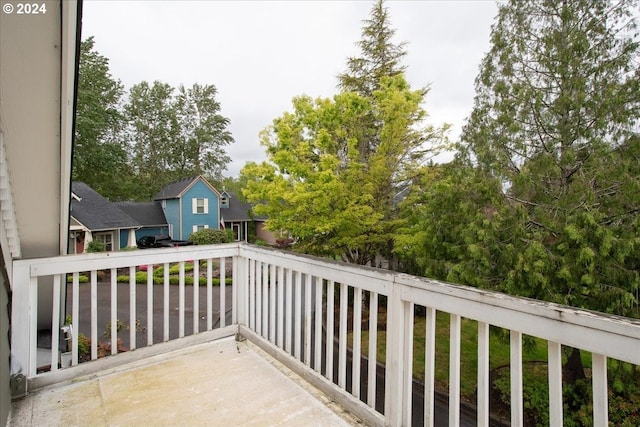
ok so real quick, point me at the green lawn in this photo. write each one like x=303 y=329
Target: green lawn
x=534 y=350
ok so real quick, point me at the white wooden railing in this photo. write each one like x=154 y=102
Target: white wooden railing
x=308 y=313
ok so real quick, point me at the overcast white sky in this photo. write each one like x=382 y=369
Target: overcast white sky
x=260 y=54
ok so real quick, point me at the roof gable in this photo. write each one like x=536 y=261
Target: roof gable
x=95 y=212
x=176 y=189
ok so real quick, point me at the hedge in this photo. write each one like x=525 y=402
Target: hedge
x=141 y=279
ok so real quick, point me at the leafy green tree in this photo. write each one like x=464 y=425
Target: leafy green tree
x=317 y=188
x=175 y=134
x=154 y=128
x=100 y=154
x=203 y=133
x=339 y=166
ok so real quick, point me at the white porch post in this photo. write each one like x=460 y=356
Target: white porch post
x=393 y=403
x=132 y=238
x=240 y=289
x=23 y=289
x=88 y=238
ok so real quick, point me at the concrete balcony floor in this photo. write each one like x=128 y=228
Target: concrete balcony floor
x=220 y=383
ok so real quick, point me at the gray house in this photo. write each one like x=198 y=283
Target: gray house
x=115 y=225
x=95 y=218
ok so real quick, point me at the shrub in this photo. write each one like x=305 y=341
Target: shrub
x=81 y=278
x=209 y=236
x=141 y=279
x=173 y=269
x=95 y=246
x=84 y=345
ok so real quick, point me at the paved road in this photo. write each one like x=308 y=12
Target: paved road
x=104 y=311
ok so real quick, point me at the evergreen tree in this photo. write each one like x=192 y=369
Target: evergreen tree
x=555 y=116
x=379 y=55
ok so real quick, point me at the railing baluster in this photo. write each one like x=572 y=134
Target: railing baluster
x=483 y=374
x=55 y=322
x=288 y=310
x=330 y=329
x=33 y=344
x=307 y=319
x=114 y=314
x=196 y=296
x=132 y=308
x=166 y=302
x=281 y=314
x=298 y=320
x=317 y=346
x=600 y=398
x=454 y=370
x=223 y=292
x=408 y=361
x=272 y=303
x=239 y=291
x=342 y=338
x=94 y=314
x=209 y=294
x=265 y=300
x=75 y=318
x=517 y=413
x=258 y=297
x=373 y=349
x=150 y=305
x=555 y=384
x=252 y=295
x=429 y=366
x=181 y=299
x=357 y=341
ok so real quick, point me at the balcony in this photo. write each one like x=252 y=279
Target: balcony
x=313 y=324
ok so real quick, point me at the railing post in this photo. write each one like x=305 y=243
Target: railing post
x=239 y=290
x=22 y=288
x=395 y=357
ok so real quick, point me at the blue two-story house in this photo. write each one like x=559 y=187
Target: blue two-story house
x=189 y=205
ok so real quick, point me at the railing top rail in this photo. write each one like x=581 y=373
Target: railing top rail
x=568 y=325
x=105 y=260
x=367 y=278
x=573 y=326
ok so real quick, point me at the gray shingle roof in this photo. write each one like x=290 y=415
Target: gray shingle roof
x=173 y=190
x=146 y=213
x=97 y=213
x=237 y=210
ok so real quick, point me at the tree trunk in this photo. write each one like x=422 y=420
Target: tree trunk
x=573 y=370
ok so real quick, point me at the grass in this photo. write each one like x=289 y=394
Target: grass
x=535 y=350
